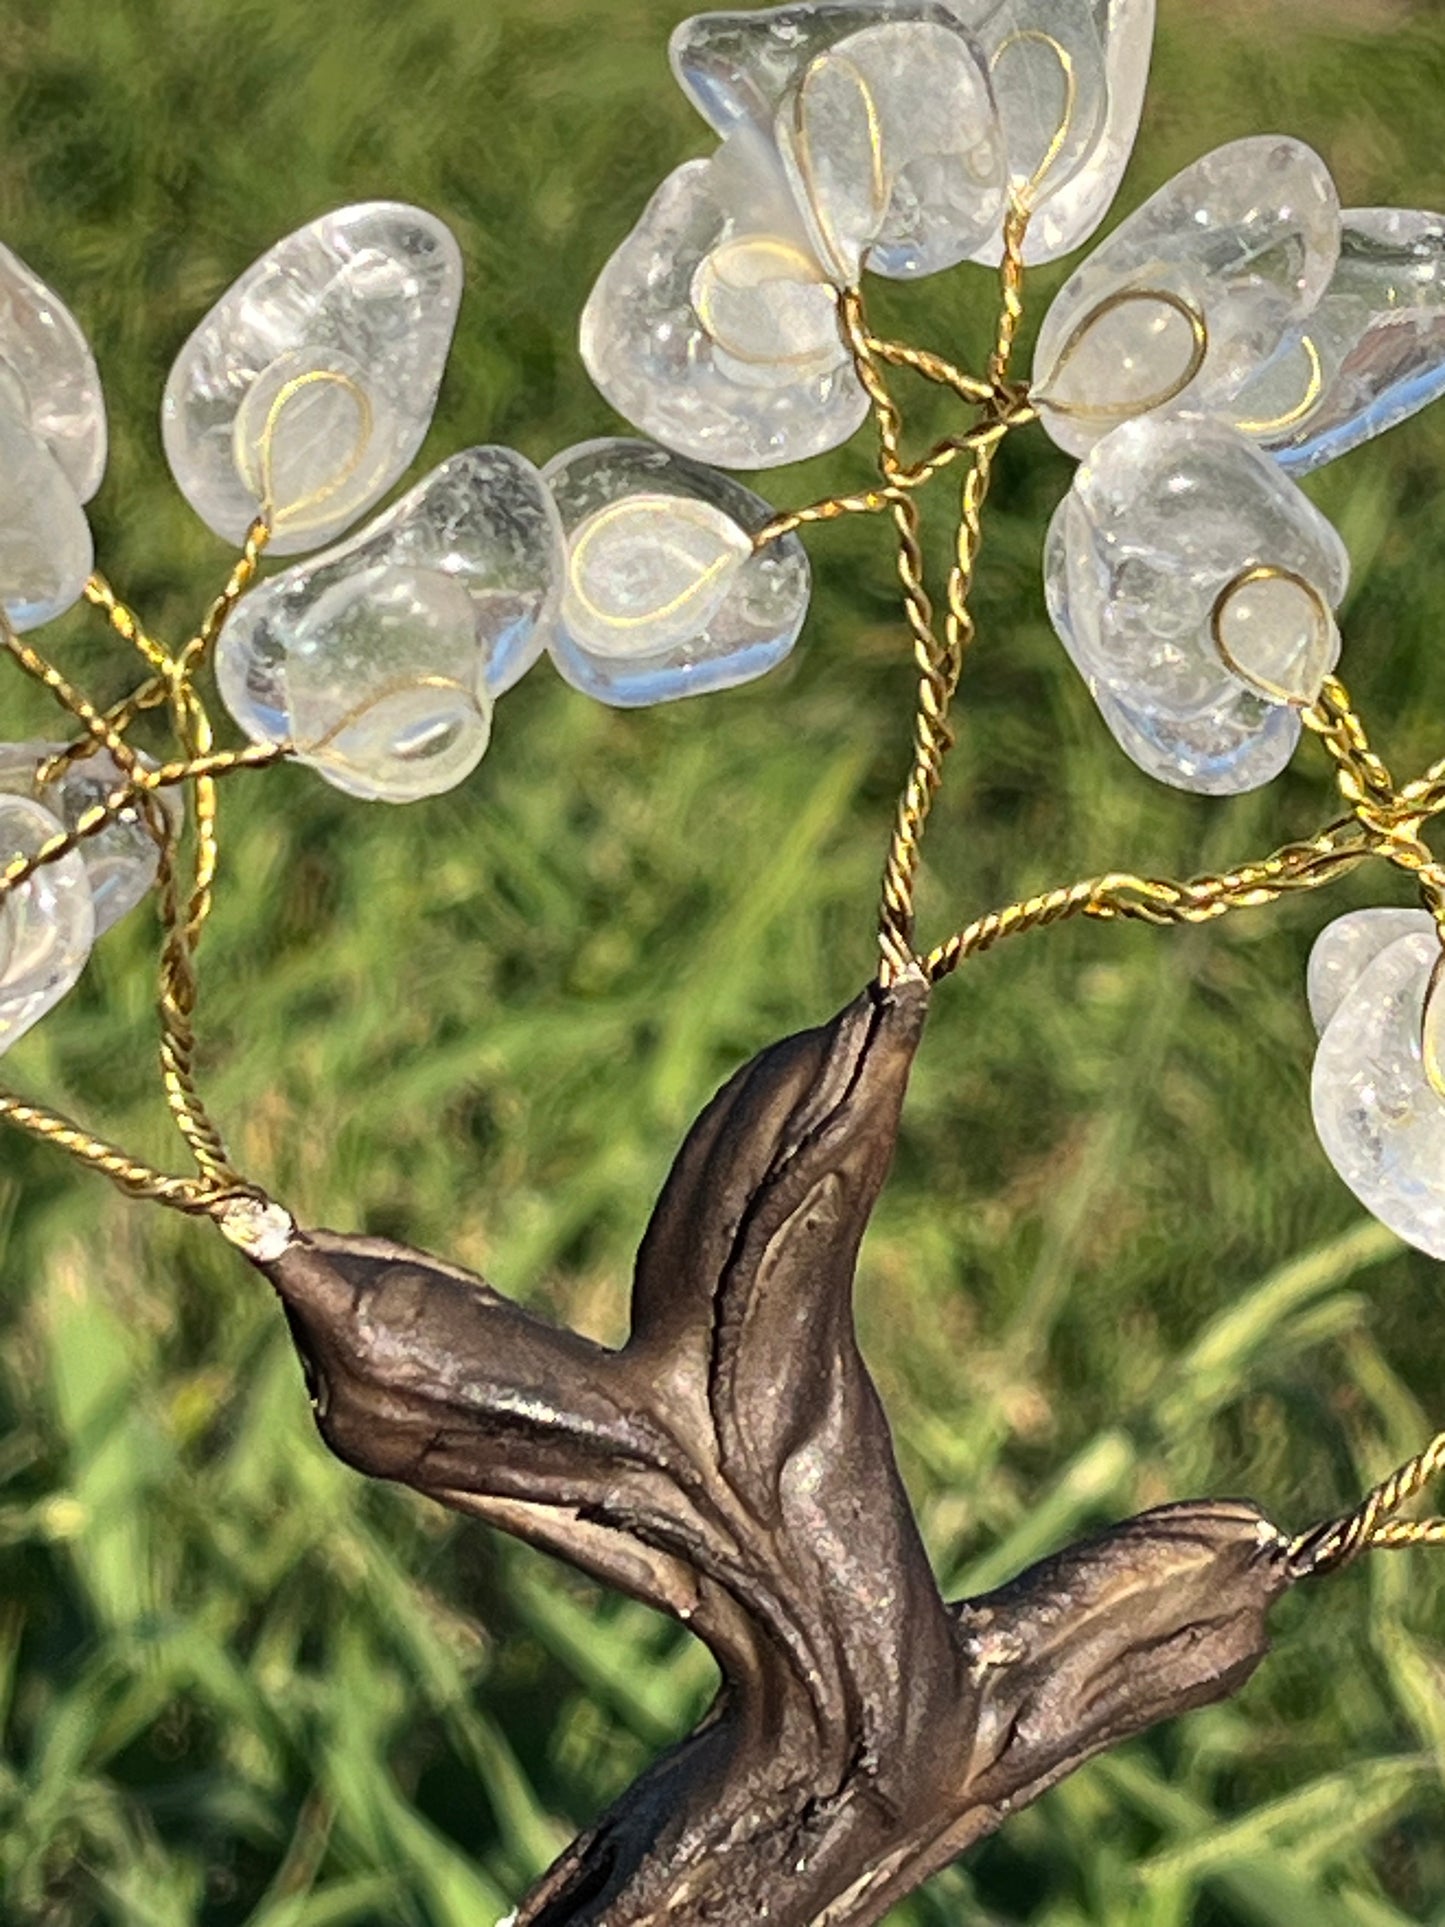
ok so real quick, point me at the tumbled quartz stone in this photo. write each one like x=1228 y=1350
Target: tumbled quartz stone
x=1068 y=77
x=894 y=152
x=1241 y=246
x=1159 y=570
x=310 y=384
x=737 y=68
x=665 y=595
x=47 y=926
x=713 y=327
x=121 y=862
x=48 y=377
x=1372 y=352
x=1346 y=948
x=1241 y=744
x=46 y=550
x=1380 y=1120
x=381 y=659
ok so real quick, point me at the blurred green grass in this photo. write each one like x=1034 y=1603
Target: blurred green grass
x=236 y=1685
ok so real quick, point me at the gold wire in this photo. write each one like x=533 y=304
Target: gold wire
x=1291 y=418
x=1266 y=572
x=932 y=367
x=1392 y=819
x=1372 y=1526
x=126 y=623
x=1025 y=194
x=939 y=664
x=1126 y=411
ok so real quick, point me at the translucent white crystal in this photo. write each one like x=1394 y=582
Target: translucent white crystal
x=1346 y=948
x=312 y=381
x=1381 y=1122
x=1147 y=571
x=713 y=329
x=665 y=595
x=894 y=152
x=649 y=573
x=381 y=659
x=47 y=926
x=120 y=863
x=1371 y=353
x=1089 y=106
x=1069 y=77
x=1276 y=634
x=48 y=375
x=45 y=544
x=738 y=67
x=1192 y=294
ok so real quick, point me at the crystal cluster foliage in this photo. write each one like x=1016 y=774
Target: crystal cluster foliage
x=665 y=594
x=47 y=926
x=1240 y=315
x=1192 y=294
x=307 y=389
x=52 y=448
x=1379 y=1076
x=1194 y=587
x=381 y=659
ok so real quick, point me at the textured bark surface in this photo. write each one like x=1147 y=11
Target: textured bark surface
x=732 y=1466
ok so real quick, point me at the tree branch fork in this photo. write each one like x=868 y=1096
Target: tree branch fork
x=732 y=1466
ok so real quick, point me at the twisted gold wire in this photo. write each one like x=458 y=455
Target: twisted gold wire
x=930 y=745
x=141 y=783
x=1372 y=1526
x=1391 y=819
x=126 y=623
x=139 y=1180
x=932 y=367
x=1120 y=895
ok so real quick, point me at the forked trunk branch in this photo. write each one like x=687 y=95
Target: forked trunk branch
x=731 y=1465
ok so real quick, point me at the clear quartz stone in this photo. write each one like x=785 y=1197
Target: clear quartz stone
x=737 y=68
x=46 y=551
x=1147 y=569
x=1346 y=948
x=1237 y=250
x=47 y=926
x=382 y=658
x=665 y=595
x=48 y=375
x=707 y=328
x=1380 y=1120
x=121 y=862
x=1069 y=78
x=313 y=379
x=1372 y=352
x=893 y=150
x=1276 y=633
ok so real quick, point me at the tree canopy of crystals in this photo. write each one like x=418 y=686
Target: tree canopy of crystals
x=1231 y=335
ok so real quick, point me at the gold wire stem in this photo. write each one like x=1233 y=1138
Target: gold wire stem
x=940 y=665
x=243 y=574
x=139 y=1180
x=1392 y=819
x=141 y=783
x=1339 y=1543
x=833 y=508
x=1120 y=895
x=895 y=930
x=99 y=728
x=932 y=367
x=126 y=623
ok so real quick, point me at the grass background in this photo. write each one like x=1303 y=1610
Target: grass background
x=236 y=1685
